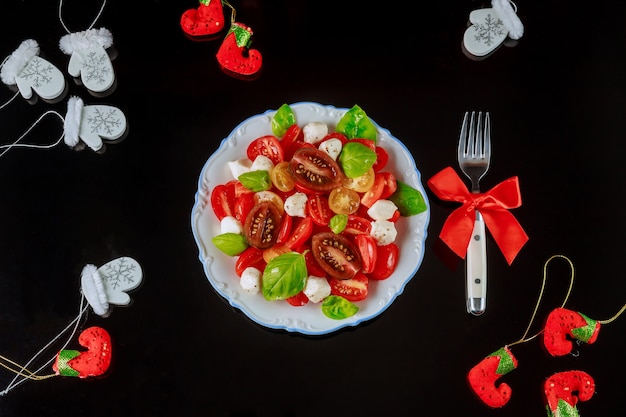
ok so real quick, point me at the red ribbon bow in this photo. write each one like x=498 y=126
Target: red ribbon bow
x=493 y=205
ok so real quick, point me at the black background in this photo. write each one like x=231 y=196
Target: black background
x=557 y=106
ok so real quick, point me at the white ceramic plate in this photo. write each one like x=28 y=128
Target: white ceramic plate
x=309 y=319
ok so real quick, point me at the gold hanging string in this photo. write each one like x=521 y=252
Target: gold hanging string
x=232 y=11
x=524 y=339
x=19 y=370
x=607 y=321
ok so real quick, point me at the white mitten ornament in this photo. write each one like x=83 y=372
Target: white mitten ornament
x=110 y=283
x=92 y=124
x=490 y=27
x=26 y=69
x=89 y=58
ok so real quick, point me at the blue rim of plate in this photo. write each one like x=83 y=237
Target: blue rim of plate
x=308 y=319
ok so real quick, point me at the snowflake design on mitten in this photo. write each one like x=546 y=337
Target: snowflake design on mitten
x=96 y=67
x=104 y=120
x=38 y=72
x=490 y=29
x=122 y=273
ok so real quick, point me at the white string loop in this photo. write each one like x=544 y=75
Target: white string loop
x=92 y=23
x=16 y=144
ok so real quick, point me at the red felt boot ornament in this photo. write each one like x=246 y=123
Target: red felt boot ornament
x=93 y=362
x=206 y=20
x=234 y=55
x=562 y=325
x=482 y=377
x=564 y=389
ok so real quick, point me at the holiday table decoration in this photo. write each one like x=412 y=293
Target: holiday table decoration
x=490 y=27
x=494 y=206
x=29 y=72
x=207 y=19
x=235 y=55
x=563 y=390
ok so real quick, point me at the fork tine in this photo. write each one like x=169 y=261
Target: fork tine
x=462 y=150
x=471 y=147
x=487 y=137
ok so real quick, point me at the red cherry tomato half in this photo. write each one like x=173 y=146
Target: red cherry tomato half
x=382 y=157
x=262 y=225
x=301 y=232
x=374 y=193
x=243 y=205
x=367 y=142
x=357 y=225
x=223 y=200
x=337 y=255
x=317 y=207
x=390 y=184
x=335 y=135
x=386 y=261
x=298 y=300
x=368 y=250
x=250 y=257
x=353 y=289
x=315 y=170
x=292 y=135
x=285 y=230
x=267 y=145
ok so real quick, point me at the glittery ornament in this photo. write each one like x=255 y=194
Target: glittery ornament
x=206 y=20
x=93 y=362
x=235 y=55
x=563 y=325
x=482 y=377
x=563 y=391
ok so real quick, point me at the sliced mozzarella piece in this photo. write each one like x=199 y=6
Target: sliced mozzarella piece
x=382 y=210
x=262 y=163
x=314 y=132
x=250 y=280
x=316 y=288
x=332 y=147
x=239 y=167
x=295 y=205
x=384 y=232
x=229 y=224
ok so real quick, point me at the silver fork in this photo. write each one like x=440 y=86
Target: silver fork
x=474 y=154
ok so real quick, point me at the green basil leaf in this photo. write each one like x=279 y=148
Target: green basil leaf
x=408 y=200
x=284 y=276
x=283 y=119
x=356 y=124
x=338 y=308
x=231 y=244
x=338 y=223
x=356 y=159
x=256 y=180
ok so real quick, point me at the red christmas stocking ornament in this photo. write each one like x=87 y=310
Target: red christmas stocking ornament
x=562 y=325
x=93 y=362
x=234 y=55
x=564 y=389
x=482 y=377
x=206 y=20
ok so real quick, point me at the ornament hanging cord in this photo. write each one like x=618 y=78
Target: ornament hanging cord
x=17 y=93
x=23 y=372
x=92 y=23
x=524 y=337
x=16 y=144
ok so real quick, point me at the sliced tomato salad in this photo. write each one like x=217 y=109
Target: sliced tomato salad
x=307 y=192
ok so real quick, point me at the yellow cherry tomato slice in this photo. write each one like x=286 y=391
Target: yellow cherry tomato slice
x=342 y=200
x=361 y=184
x=281 y=177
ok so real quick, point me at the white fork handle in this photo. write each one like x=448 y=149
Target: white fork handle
x=476 y=269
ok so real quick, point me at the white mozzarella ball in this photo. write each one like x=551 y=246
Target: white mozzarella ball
x=262 y=163
x=382 y=210
x=295 y=205
x=316 y=288
x=229 y=224
x=332 y=147
x=250 y=280
x=314 y=132
x=384 y=232
x=239 y=167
